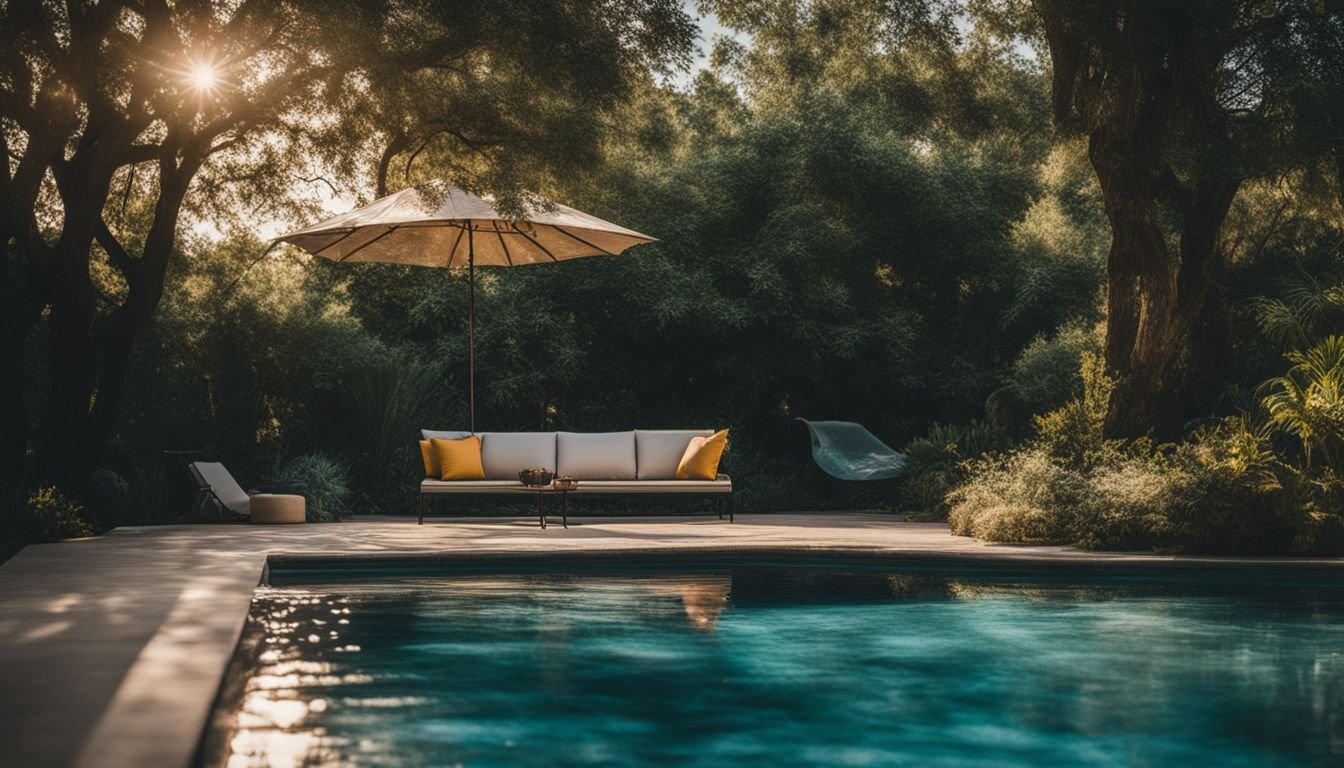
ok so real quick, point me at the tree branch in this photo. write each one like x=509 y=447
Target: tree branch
x=322 y=179
x=116 y=253
x=395 y=144
x=141 y=153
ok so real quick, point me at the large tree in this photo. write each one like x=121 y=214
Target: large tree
x=105 y=103
x=1181 y=103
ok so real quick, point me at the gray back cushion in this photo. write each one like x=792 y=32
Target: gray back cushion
x=595 y=455
x=226 y=489
x=430 y=434
x=659 y=451
x=505 y=454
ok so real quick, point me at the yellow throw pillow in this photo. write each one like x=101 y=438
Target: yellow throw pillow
x=459 y=459
x=431 y=459
x=701 y=459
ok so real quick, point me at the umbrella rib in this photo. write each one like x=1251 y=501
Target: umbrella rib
x=392 y=228
x=535 y=242
x=502 y=244
x=564 y=231
x=319 y=251
x=461 y=230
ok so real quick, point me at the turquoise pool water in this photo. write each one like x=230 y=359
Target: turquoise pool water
x=770 y=667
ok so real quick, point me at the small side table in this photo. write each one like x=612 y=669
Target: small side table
x=542 y=492
x=277 y=509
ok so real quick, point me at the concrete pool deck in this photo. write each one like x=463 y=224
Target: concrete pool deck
x=112 y=649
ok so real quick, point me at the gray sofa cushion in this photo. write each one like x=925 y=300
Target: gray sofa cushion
x=595 y=455
x=505 y=454
x=430 y=434
x=659 y=451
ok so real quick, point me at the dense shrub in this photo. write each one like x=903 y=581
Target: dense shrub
x=104 y=495
x=43 y=515
x=49 y=515
x=1222 y=490
x=325 y=485
x=1022 y=497
x=936 y=463
x=1307 y=402
x=391 y=400
x=1044 y=376
x=1134 y=500
x=149 y=495
x=1075 y=432
x=142 y=496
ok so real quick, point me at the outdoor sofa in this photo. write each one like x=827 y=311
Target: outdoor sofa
x=638 y=462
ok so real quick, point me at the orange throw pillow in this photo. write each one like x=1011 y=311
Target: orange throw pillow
x=431 y=459
x=701 y=459
x=459 y=459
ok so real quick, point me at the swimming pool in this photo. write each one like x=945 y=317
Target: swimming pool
x=710 y=666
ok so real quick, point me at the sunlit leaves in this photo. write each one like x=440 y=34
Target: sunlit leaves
x=1308 y=401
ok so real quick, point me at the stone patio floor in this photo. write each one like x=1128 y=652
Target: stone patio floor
x=112 y=649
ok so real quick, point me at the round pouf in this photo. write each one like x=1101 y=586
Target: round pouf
x=277 y=508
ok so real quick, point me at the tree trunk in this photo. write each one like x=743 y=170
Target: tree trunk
x=146 y=290
x=13 y=414
x=1126 y=75
x=70 y=348
x=25 y=272
x=87 y=377
x=24 y=297
x=1156 y=300
x=1125 y=152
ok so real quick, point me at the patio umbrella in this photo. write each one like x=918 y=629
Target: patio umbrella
x=452 y=228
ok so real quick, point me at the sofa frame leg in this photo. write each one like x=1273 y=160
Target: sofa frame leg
x=422 y=510
x=730 y=508
x=718 y=507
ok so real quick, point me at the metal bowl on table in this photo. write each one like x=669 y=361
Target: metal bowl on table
x=536 y=477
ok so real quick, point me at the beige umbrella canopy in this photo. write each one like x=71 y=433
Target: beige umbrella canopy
x=451 y=228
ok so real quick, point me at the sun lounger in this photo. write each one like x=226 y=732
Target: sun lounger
x=848 y=451
x=216 y=483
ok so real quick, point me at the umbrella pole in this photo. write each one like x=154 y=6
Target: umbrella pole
x=471 y=328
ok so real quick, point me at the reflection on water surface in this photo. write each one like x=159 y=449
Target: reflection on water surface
x=788 y=667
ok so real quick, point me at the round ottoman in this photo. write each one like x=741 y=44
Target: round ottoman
x=277 y=508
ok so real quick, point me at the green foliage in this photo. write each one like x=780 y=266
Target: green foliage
x=1025 y=496
x=1061 y=242
x=104 y=494
x=1307 y=402
x=44 y=514
x=1224 y=489
x=1075 y=432
x=141 y=496
x=149 y=495
x=936 y=463
x=1044 y=377
x=1227 y=497
x=250 y=371
x=1181 y=502
x=325 y=483
x=391 y=400
x=1305 y=304
x=51 y=516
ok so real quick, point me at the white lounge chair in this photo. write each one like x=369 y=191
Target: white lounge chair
x=216 y=483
